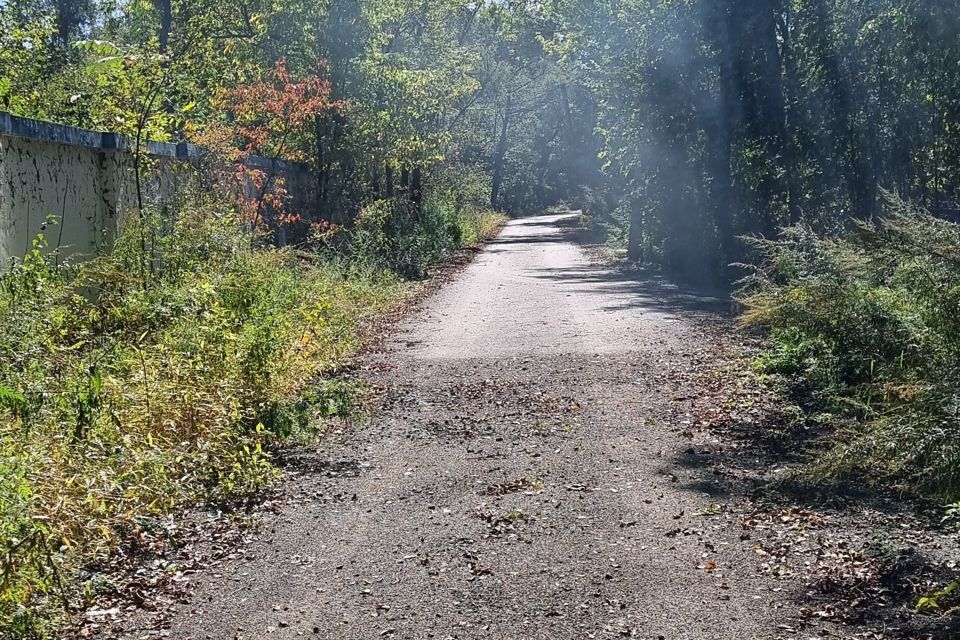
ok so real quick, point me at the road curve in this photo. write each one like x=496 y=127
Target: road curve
x=523 y=478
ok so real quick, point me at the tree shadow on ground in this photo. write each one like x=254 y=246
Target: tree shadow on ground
x=643 y=290
x=305 y=461
x=760 y=460
x=533 y=240
x=513 y=241
x=537 y=221
x=868 y=527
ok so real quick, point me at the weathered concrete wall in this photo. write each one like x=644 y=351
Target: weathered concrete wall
x=85 y=181
x=40 y=178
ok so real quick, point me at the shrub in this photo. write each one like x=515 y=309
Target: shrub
x=870 y=322
x=399 y=236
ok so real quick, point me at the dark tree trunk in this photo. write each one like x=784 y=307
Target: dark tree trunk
x=721 y=190
x=416 y=187
x=166 y=23
x=635 y=251
x=850 y=154
x=752 y=46
x=546 y=156
x=68 y=19
x=792 y=91
x=772 y=110
x=322 y=169
x=64 y=21
x=499 y=158
x=721 y=121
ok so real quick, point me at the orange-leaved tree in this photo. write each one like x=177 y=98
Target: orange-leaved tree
x=264 y=123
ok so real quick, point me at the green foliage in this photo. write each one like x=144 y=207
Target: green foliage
x=942 y=601
x=434 y=88
x=711 y=118
x=24 y=59
x=952 y=513
x=869 y=322
x=128 y=392
x=402 y=237
x=722 y=118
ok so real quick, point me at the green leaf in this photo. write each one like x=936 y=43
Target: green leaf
x=97 y=47
x=11 y=400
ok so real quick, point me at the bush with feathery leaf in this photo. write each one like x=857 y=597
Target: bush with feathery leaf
x=870 y=321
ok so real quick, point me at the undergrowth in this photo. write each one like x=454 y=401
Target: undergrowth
x=866 y=327
x=135 y=384
x=167 y=372
x=400 y=236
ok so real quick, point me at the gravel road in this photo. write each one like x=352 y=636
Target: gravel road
x=522 y=478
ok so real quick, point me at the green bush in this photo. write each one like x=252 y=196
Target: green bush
x=146 y=380
x=399 y=236
x=870 y=323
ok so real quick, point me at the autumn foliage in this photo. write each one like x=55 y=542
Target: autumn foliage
x=262 y=123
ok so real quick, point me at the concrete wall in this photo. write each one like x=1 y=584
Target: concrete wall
x=85 y=181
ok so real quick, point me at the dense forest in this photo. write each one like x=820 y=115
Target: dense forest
x=680 y=126
x=810 y=146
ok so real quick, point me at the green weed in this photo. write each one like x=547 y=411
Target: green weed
x=398 y=236
x=942 y=601
x=868 y=326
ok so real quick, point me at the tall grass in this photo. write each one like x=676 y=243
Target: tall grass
x=868 y=324
x=166 y=372
x=133 y=385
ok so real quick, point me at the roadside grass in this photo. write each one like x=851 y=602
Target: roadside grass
x=145 y=381
x=864 y=332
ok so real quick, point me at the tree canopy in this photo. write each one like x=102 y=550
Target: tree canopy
x=679 y=126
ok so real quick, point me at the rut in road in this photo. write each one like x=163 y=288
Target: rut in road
x=520 y=479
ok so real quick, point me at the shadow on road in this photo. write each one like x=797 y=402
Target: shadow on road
x=532 y=239
x=876 y=553
x=534 y=222
x=640 y=290
x=870 y=571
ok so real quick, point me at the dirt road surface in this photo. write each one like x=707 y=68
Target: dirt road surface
x=521 y=478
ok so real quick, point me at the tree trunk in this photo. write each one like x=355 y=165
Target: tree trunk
x=721 y=121
x=792 y=84
x=850 y=153
x=499 y=157
x=166 y=23
x=69 y=16
x=416 y=187
x=635 y=237
x=772 y=110
x=321 y=169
